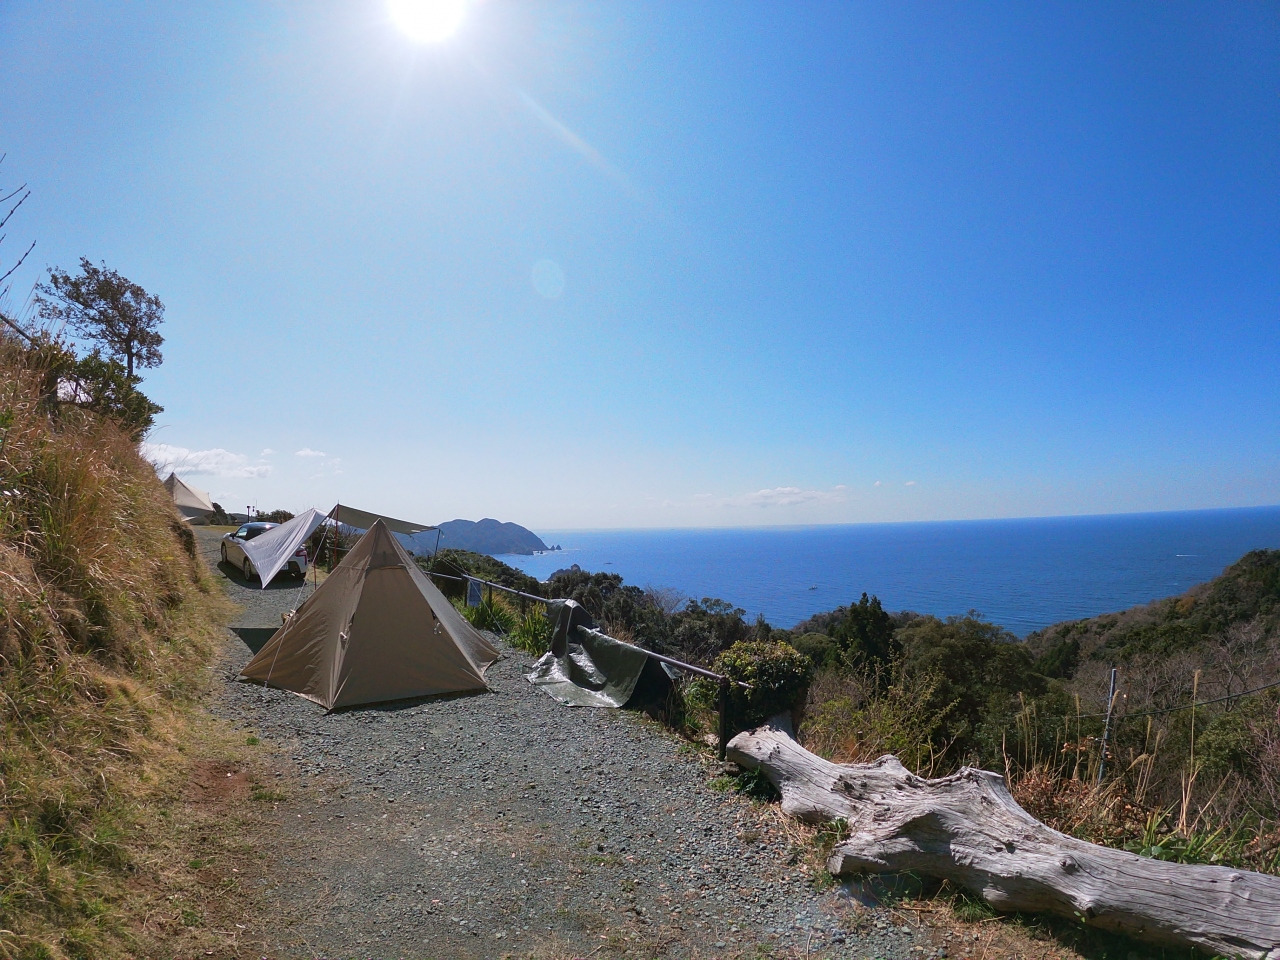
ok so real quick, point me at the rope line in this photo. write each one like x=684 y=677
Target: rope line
x=1157 y=713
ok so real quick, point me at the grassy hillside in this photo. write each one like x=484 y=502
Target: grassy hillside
x=106 y=620
x=1247 y=595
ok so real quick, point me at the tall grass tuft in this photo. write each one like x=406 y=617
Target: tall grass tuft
x=493 y=614
x=533 y=633
x=106 y=616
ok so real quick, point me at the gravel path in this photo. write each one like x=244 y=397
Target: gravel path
x=505 y=824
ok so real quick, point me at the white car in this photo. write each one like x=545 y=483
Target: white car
x=233 y=551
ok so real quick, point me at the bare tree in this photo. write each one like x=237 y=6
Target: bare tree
x=666 y=599
x=102 y=306
x=17 y=197
x=1239 y=655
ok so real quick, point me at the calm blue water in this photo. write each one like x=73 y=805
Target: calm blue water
x=1023 y=574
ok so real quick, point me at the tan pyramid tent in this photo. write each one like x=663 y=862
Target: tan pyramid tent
x=193 y=504
x=377 y=629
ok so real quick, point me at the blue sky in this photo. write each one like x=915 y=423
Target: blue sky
x=640 y=264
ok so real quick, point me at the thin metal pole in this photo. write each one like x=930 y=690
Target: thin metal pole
x=1106 y=727
x=724 y=715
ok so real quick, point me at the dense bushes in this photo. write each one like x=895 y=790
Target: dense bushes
x=1247 y=592
x=777 y=674
x=855 y=716
x=457 y=563
x=981 y=670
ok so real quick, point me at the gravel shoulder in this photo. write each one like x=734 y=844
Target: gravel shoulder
x=505 y=824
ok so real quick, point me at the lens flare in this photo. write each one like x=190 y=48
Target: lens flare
x=428 y=21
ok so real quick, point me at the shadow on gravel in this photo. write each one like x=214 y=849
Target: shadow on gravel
x=255 y=638
x=281 y=581
x=395 y=706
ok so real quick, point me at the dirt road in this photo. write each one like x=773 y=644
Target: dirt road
x=505 y=824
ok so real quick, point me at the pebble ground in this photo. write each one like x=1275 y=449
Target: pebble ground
x=505 y=824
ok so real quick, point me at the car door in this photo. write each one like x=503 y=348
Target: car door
x=235 y=546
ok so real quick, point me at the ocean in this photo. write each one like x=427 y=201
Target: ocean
x=1022 y=574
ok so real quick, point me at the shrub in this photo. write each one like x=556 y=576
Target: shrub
x=778 y=673
x=491 y=614
x=857 y=716
x=533 y=633
x=454 y=564
x=981 y=670
x=818 y=647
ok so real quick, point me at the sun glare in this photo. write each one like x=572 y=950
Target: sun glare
x=428 y=21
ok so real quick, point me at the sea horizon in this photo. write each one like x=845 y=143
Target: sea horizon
x=556 y=531
x=1023 y=573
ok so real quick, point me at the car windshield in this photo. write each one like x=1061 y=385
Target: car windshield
x=251 y=530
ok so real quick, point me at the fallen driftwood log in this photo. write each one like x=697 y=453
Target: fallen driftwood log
x=968 y=829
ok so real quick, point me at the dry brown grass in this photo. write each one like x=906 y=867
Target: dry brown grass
x=107 y=619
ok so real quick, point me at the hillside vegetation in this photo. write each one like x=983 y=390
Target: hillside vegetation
x=106 y=620
x=1246 y=596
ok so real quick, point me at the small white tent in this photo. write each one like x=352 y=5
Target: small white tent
x=193 y=504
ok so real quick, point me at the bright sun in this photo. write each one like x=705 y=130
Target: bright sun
x=428 y=21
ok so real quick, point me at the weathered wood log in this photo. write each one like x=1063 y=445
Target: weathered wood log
x=968 y=829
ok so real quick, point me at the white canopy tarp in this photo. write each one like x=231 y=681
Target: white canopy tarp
x=363 y=520
x=270 y=551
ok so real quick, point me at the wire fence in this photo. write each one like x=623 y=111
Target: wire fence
x=720 y=679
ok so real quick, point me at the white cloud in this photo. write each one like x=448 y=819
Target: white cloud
x=266 y=453
x=786 y=497
x=911 y=483
x=216 y=462
x=308 y=452
x=772 y=497
x=877 y=483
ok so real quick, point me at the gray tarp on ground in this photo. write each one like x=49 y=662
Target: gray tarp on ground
x=584 y=667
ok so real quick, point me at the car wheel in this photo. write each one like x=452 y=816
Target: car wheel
x=248 y=569
x=224 y=553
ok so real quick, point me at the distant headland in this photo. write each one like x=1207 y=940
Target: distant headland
x=490 y=536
